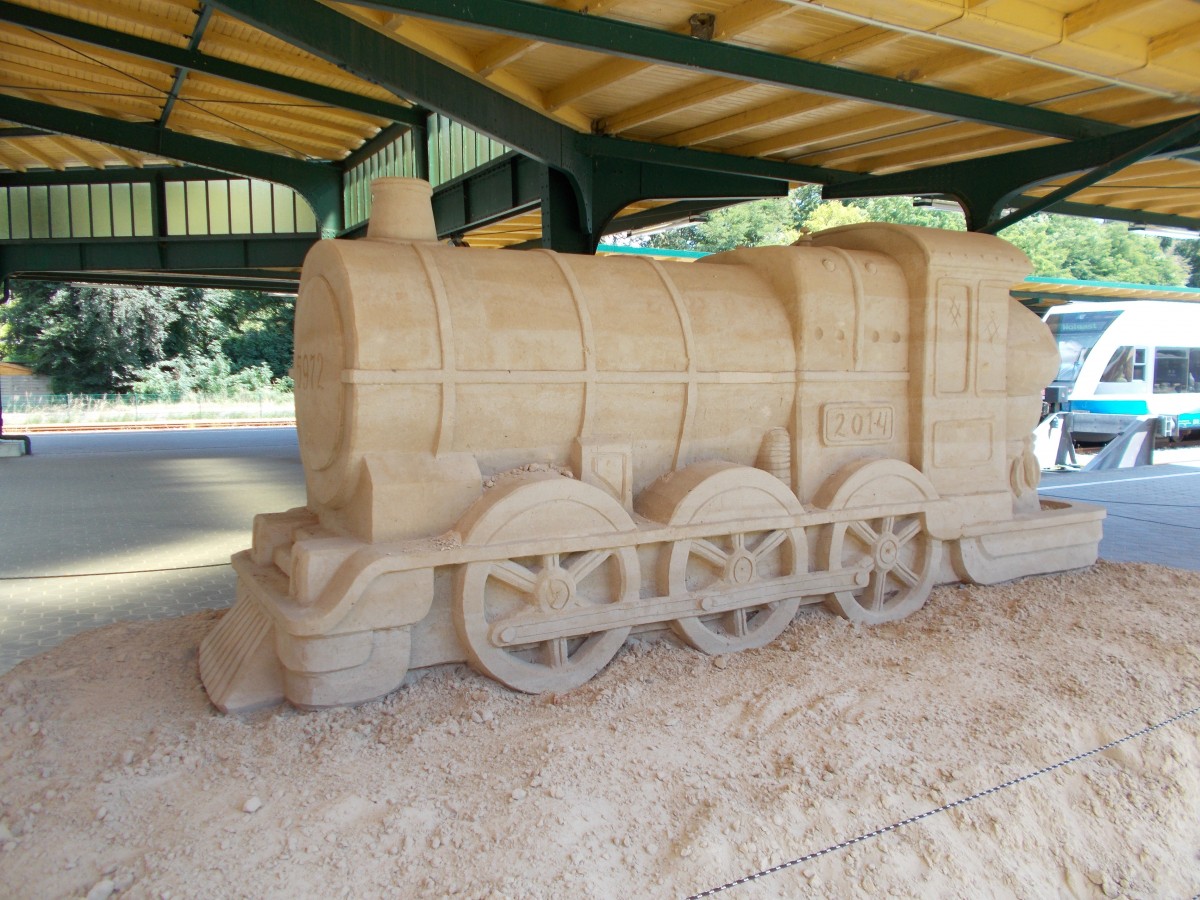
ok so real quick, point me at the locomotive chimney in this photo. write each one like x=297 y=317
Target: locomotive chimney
x=401 y=210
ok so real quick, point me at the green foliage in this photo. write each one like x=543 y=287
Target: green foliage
x=99 y=339
x=755 y=224
x=1091 y=250
x=1189 y=252
x=176 y=378
x=1058 y=246
x=87 y=338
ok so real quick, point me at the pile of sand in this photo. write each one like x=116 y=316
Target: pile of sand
x=668 y=774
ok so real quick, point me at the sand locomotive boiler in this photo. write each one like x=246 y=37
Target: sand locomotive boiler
x=516 y=459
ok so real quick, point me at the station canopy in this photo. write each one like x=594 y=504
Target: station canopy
x=553 y=123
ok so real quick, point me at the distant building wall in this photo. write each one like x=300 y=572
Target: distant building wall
x=18 y=385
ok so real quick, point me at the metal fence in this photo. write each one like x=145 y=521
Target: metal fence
x=114 y=409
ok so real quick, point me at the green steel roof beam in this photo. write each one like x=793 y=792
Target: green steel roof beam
x=579 y=30
x=1119 y=214
x=325 y=33
x=987 y=185
x=199 y=62
x=600 y=171
x=319 y=183
x=1185 y=132
x=181 y=73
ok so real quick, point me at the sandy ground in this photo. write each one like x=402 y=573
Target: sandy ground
x=668 y=774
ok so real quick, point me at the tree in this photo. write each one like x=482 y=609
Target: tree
x=100 y=339
x=1092 y=250
x=260 y=331
x=1058 y=246
x=88 y=338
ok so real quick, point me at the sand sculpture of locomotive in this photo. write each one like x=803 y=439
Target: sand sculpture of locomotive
x=517 y=459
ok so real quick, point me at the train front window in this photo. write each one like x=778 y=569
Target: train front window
x=1126 y=365
x=1076 y=334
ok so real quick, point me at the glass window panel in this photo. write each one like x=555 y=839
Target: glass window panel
x=218 y=207
x=122 y=207
x=81 y=214
x=173 y=193
x=239 y=206
x=306 y=219
x=1170 y=370
x=260 y=207
x=197 y=207
x=284 y=199
x=60 y=211
x=5 y=231
x=39 y=212
x=143 y=210
x=102 y=224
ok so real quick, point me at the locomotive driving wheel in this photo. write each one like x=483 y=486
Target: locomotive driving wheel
x=900 y=557
x=732 y=499
x=881 y=530
x=497 y=599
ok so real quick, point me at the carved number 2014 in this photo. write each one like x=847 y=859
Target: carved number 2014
x=855 y=424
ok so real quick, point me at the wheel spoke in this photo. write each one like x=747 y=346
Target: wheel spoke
x=739 y=541
x=550 y=561
x=514 y=575
x=586 y=564
x=878 y=591
x=889 y=524
x=911 y=530
x=709 y=552
x=767 y=544
x=736 y=622
x=905 y=574
x=555 y=653
x=864 y=533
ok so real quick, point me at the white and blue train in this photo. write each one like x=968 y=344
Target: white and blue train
x=1123 y=361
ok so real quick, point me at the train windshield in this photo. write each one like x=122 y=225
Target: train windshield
x=1076 y=334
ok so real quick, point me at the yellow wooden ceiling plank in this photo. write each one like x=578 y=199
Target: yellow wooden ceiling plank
x=925 y=133
x=130 y=159
x=11 y=160
x=281 y=122
x=842 y=130
x=508 y=50
x=748 y=15
x=413 y=33
x=1100 y=14
x=589 y=81
x=1021 y=30
x=825 y=51
x=672 y=102
x=502 y=53
x=785 y=107
x=273 y=137
x=67 y=90
x=143 y=22
x=940 y=65
x=953 y=150
x=205 y=93
x=31 y=148
x=1164 y=45
x=225 y=38
x=64 y=50
x=73 y=147
x=729 y=24
x=57 y=65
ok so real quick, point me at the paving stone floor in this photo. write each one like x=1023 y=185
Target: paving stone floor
x=103 y=527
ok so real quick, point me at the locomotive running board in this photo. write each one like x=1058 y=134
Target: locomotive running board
x=536 y=627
